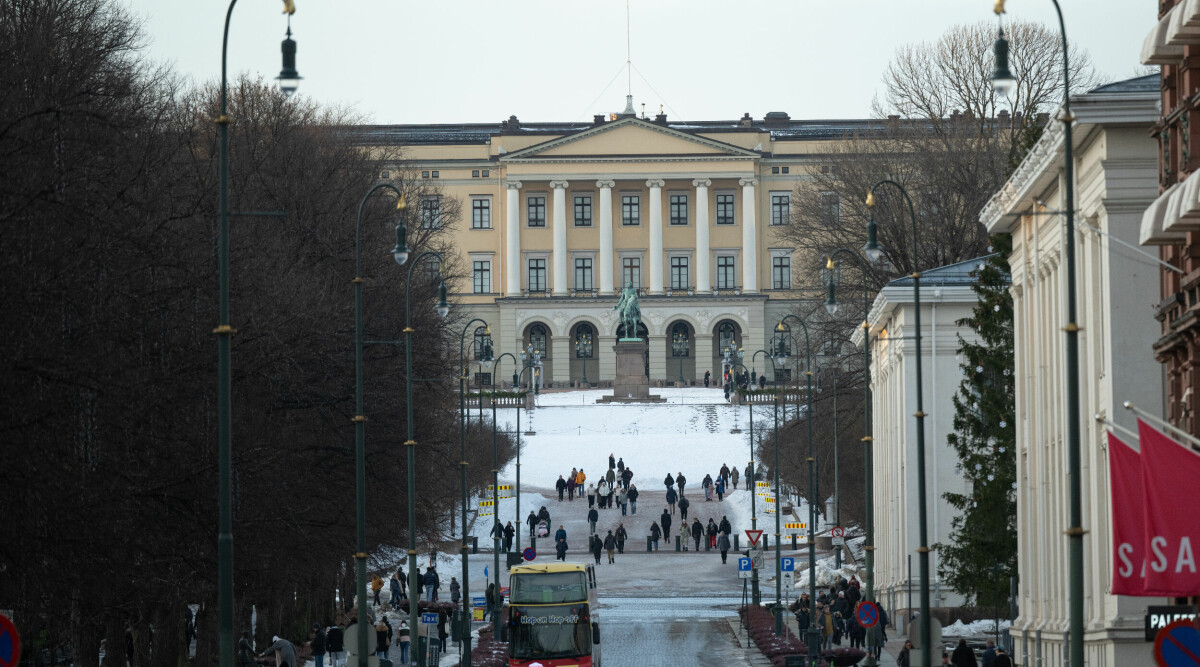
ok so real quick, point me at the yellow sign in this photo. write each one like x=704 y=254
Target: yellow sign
x=477 y=614
x=795 y=526
x=485 y=508
x=762 y=489
x=504 y=491
x=770 y=505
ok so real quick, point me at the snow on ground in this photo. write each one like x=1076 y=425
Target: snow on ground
x=974 y=629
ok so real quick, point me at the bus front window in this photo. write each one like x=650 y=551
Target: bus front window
x=550 y=632
x=548 y=588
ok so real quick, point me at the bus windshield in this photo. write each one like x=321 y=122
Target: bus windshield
x=548 y=588
x=549 y=632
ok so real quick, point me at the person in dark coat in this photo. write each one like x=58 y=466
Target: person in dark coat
x=571 y=485
x=396 y=590
x=697 y=532
x=664 y=522
x=655 y=534
x=455 y=591
x=680 y=481
x=632 y=496
x=593 y=516
x=442 y=633
x=318 y=644
x=723 y=545
x=490 y=597
x=963 y=656
x=712 y=531
x=544 y=515
x=597 y=543
x=621 y=536
x=669 y=481
x=707 y=484
x=432 y=583
x=989 y=654
x=561 y=487
x=725 y=472
x=496 y=533
x=560 y=534
x=1002 y=659
x=725 y=526
x=620 y=465
x=509 y=533
x=671 y=498
x=532 y=520
x=719 y=487
x=707 y=378
x=245 y=656
x=560 y=549
x=903 y=660
x=612 y=462
x=333 y=644
x=684 y=503
x=610 y=545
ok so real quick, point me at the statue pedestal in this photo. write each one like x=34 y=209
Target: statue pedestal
x=631 y=384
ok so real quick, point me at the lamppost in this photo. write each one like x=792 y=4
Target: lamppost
x=679 y=345
x=814 y=636
x=874 y=252
x=1002 y=81
x=224 y=334
x=484 y=355
x=401 y=253
x=360 y=418
x=531 y=359
x=583 y=351
x=831 y=306
x=755 y=596
x=837 y=498
x=497 y=602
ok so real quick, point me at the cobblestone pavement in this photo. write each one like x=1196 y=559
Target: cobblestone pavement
x=674 y=631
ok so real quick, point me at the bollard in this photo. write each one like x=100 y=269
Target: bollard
x=474 y=544
x=649 y=544
x=533 y=543
x=707 y=546
x=735 y=543
x=678 y=547
x=794 y=542
x=766 y=542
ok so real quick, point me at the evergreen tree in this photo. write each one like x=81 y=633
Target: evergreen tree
x=981 y=554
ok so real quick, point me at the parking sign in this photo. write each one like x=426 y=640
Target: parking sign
x=787 y=564
x=744 y=568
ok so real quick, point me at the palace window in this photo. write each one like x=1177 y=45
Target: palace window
x=481 y=274
x=781 y=205
x=583 y=273
x=537 y=338
x=631 y=210
x=481 y=213
x=725 y=211
x=681 y=345
x=679 y=209
x=584 y=336
x=536 y=206
x=831 y=206
x=781 y=272
x=537 y=275
x=431 y=211
x=679 y=273
x=726 y=272
x=583 y=210
x=631 y=272
x=726 y=336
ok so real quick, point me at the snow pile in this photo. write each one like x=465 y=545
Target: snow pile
x=974 y=629
x=827 y=573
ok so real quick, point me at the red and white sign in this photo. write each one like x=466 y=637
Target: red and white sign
x=753 y=536
x=1172 y=526
x=1129 y=549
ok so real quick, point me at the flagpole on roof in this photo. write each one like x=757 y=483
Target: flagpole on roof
x=1164 y=425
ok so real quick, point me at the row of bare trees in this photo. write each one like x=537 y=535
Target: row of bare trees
x=951 y=143
x=108 y=278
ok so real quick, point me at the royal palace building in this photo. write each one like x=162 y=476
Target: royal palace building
x=558 y=217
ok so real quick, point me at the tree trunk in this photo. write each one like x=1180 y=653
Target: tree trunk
x=85 y=650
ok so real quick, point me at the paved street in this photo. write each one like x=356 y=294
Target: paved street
x=676 y=631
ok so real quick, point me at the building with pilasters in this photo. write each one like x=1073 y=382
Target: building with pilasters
x=558 y=217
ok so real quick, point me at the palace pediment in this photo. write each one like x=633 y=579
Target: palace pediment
x=630 y=138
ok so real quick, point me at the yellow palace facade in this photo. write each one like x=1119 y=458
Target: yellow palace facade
x=558 y=217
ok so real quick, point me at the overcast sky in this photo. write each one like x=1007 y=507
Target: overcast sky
x=451 y=61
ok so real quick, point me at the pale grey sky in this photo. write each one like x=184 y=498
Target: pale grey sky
x=452 y=61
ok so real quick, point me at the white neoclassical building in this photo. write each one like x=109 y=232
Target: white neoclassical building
x=946 y=297
x=1116 y=179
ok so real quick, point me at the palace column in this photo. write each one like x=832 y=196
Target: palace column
x=512 y=229
x=703 y=283
x=606 y=243
x=560 y=237
x=749 y=236
x=656 y=236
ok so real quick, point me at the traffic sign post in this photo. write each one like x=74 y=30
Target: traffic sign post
x=839 y=536
x=10 y=643
x=789 y=580
x=756 y=557
x=529 y=553
x=753 y=536
x=1178 y=645
x=867 y=614
x=795 y=527
x=787 y=564
x=745 y=568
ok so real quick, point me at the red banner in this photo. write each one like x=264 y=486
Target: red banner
x=1128 y=536
x=1170 y=477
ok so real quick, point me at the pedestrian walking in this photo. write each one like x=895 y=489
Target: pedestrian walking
x=725 y=473
x=707 y=378
x=532 y=520
x=396 y=590
x=580 y=478
x=317 y=644
x=903 y=660
x=441 y=626
x=509 y=533
x=285 y=652
x=671 y=498
x=680 y=481
x=963 y=656
x=665 y=522
x=612 y=461
x=623 y=499
x=333 y=645
x=544 y=515
x=561 y=487
x=560 y=534
x=611 y=475
x=655 y=534
x=669 y=481
x=621 y=536
x=626 y=477
x=592 y=516
x=431 y=583
x=600 y=486
x=712 y=533
x=684 y=535
x=490 y=597
x=697 y=532
x=376 y=586
x=245 y=656
x=733 y=477
x=383 y=639
x=684 y=503
x=707 y=484
x=723 y=545
x=560 y=549
x=571 y=484
x=633 y=496
x=596 y=544
x=1002 y=658
x=989 y=653
x=610 y=545
x=719 y=485
x=620 y=466
x=591 y=495
x=608 y=496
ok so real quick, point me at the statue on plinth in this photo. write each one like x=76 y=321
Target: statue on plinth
x=630 y=312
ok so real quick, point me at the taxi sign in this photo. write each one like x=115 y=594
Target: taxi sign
x=787 y=564
x=427 y=618
x=744 y=568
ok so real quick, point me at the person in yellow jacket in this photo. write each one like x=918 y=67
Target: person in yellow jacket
x=825 y=625
x=376 y=585
x=580 y=478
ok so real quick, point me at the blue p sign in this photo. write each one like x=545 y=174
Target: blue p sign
x=744 y=564
x=787 y=564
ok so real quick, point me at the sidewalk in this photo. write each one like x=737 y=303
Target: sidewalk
x=756 y=658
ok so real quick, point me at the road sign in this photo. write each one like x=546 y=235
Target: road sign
x=1159 y=616
x=787 y=564
x=429 y=618
x=744 y=568
x=753 y=536
x=1178 y=645
x=839 y=536
x=529 y=553
x=10 y=643
x=770 y=504
x=795 y=527
x=867 y=614
x=485 y=507
x=504 y=491
x=756 y=558
x=762 y=489
x=789 y=579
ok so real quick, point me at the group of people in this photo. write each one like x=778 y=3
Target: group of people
x=428 y=584
x=836 y=618
x=963 y=656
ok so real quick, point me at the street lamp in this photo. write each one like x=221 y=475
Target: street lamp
x=867 y=440
x=360 y=418
x=401 y=253
x=873 y=252
x=837 y=497
x=679 y=345
x=751 y=486
x=484 y=355
x=224 y=332
x=814 y=636
x=497 y=603
x=583 y=351
x=531 y=360
x=1075 y=531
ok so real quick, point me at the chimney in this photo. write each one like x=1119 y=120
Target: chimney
x=598 y=119
x=746 y=120
x=511 y=124
x=894 y=117
x=777 y=120
x=661 y=119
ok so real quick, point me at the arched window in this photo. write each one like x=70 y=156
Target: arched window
x=480 y=340
x=537 y=338
x=584 y=336
x=726 y=336
x=681 y=344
